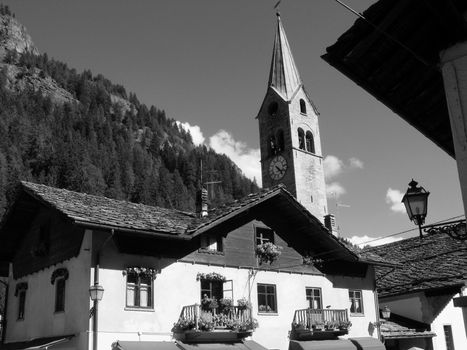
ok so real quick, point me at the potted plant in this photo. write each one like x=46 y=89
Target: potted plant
x=209 y=304
x=243 y=304
x=267 y=252
x=183 y=325
x=206 y=321
x=298 y=326
x=212 y=276
x=225 y=305
x=344 y=325
x=318 y=325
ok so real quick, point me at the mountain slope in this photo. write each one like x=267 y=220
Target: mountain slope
x=82 y=132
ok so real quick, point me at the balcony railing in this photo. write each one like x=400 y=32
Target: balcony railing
x=314 y=322
x=220 y=320
x=228 y=324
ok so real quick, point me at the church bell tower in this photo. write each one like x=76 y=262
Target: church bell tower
x=289 y=133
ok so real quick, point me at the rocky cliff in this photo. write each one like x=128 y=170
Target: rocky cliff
x=14 y=37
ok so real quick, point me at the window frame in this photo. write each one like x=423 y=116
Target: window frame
x=352 y=297
x=21 y=304
x=206 y=241
x=266 y=294
x=301 y=139
x=260 y=231
x=309 y=142
x=312 y=297
x=137 y=287
x=448 y=337
x=302 y=106
x=60 y=292
x=211 y=290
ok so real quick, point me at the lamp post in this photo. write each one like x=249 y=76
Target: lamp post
x=416 y=201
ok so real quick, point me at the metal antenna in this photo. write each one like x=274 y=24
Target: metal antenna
x=338 y=205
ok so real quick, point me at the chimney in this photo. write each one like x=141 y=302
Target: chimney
x=330 y=224
x=202 y=202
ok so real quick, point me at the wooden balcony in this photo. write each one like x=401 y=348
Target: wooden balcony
x=319 y=324
x=198 y=326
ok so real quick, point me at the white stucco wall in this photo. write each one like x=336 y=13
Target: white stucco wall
x=436 y=311
x=176 y=286
x=449 y=316
x=40 y=320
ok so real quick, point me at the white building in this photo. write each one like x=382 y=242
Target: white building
x=54 y=239
x=424 y=291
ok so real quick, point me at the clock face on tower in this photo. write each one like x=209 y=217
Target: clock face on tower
x=277 y=167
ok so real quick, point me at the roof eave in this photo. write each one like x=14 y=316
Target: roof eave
x=155 y=234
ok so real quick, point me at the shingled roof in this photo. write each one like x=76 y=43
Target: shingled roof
x=436 y=261
x=101 y=212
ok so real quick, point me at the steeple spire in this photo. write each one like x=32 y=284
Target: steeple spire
x=283 y=77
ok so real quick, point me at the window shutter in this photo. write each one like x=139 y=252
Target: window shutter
x=228 y=289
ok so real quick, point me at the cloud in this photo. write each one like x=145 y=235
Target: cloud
x=355 y=163
x=195 y=131
x=334 y=190
x=333 y=166
x=362 y=241
x=393 y=198
x=247 y=159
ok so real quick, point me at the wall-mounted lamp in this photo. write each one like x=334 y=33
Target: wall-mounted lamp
x=96 y=292
x=416 y=203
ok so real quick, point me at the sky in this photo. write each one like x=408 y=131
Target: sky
x=206 y=63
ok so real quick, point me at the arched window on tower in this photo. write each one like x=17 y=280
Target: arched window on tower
x=272 y=147
x=301 y=138
x=280 y=140
x=310 y=143
x=302 y=106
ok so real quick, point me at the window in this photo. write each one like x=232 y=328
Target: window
x=280 y=140
x=302 y=106
x=211 y=289
x=448 y=336
x=59 y=277
x=272 y=109
x=20 y=292
x=301 y=138
x=267 y=301
x=264 y=235
x=211 y=243
x=310 y=143
x=313 y=295
x=60 y=294
x=356 y=302
x=272 y=145
x=139 y=290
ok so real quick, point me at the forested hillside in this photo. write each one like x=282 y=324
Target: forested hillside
x=82 y=132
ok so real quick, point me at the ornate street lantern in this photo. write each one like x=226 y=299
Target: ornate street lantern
x=416 y=202
x=386 y=312
x=96 y=292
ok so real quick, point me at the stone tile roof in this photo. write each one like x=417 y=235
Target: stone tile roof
x=436 y=261
x=99 y=210
x=96 y=210
x=91 y=209
x=393 y=330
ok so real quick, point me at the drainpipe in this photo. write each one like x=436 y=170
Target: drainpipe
x=95 y=322
x=3 y=320
x=375 y=293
